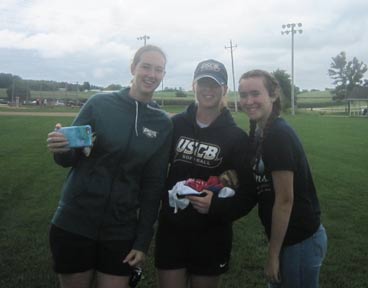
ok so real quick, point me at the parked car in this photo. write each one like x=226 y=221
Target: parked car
x=59 y=103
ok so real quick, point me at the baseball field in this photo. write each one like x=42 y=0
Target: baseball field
x=30 y=182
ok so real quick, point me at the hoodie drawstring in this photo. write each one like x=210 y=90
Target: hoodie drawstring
x=136 y=118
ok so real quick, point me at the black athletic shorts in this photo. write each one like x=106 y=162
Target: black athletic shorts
x=72 y=253
x=205 y=252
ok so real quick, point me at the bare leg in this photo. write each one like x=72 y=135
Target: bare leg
x=172 y=278
x=77 y=280
x=204 y=281
x=111 y=281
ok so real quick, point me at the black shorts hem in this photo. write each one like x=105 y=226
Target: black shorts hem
x=73 y=253
x=186 y=250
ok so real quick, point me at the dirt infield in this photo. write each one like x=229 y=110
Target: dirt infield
x=48 y=114
x=56 y=114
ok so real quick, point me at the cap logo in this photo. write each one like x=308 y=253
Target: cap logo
x=210 y=67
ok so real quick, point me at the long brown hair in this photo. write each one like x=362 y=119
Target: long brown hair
x=274 y=91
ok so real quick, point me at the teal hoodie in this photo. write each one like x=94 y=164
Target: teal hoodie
x=114 y=194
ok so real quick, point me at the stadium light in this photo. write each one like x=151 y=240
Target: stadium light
x=292 y=28
x=232 y=68
x=144 y=37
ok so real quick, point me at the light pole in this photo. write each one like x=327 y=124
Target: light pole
x=290 y=28
x=162 y=90
x=13 y=91
x=232 y=68
x=144 y=37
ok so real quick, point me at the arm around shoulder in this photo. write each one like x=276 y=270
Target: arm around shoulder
x=245 y=198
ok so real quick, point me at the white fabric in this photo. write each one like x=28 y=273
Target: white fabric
x=226 y=192
x=181 y=189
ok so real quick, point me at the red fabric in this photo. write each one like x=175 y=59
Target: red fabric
x=199 y=185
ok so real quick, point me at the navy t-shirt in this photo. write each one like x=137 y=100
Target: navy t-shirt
x=283 y=151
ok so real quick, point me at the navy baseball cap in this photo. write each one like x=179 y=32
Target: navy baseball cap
x=211 y=69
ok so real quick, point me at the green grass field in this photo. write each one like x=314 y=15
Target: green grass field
x=314 y=97
x=30 y=183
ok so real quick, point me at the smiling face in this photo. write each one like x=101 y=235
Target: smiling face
x=148 y=73
x=255 y=99
x=209 y=93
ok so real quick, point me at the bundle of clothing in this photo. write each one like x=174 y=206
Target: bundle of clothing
x=223 y=186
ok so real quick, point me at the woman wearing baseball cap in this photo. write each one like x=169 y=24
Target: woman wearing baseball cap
x=193 y=244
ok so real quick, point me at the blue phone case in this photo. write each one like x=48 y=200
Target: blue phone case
x=78 y=136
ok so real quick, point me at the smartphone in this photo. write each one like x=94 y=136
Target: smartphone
x=78 y=136
x=199 y=194
x=135 y=277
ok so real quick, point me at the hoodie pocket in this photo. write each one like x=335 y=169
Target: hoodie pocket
x=125 y=204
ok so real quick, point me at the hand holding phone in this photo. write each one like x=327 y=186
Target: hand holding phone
x=77 y=136
x=57 y=142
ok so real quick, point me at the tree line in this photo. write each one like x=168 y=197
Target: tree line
x=8 y=80
x=346 y=76
x=17 y=87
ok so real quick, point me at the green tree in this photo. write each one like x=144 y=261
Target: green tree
x=6 y=80
x=180 y=93
x=113 y=87
x=346 y=75
x=86 y=86
x=284 y=80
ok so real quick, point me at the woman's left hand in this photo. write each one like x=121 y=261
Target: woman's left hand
x=201 y=204
x=272 y=270
x=135 y=258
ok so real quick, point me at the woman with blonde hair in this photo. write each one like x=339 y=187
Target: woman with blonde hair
x=193 y=243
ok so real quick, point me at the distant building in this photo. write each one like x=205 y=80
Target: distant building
x=358 y=93
x=358 y=99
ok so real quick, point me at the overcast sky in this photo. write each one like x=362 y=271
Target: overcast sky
x=94 y=40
